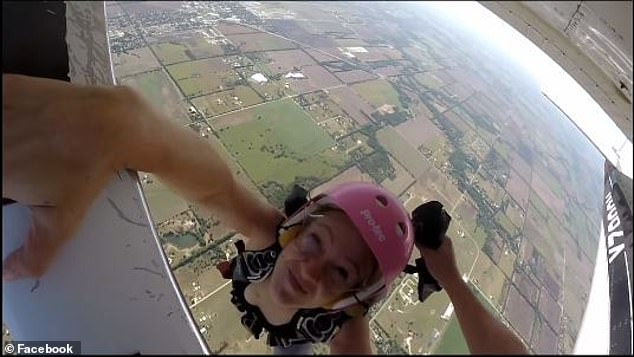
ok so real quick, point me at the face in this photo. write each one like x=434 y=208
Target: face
x=325 y=262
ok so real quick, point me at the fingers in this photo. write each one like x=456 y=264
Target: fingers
x=45 y=238
x=30 y=260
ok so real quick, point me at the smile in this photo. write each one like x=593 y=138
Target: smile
x=295 y=283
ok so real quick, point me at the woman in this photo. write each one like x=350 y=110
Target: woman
x=63 y=143
x=314 y=273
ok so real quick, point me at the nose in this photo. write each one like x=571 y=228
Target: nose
x=311 y=271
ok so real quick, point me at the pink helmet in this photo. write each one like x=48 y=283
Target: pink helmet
x=383 y=223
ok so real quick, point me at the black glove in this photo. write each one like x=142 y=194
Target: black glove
x=430 y=222
x=295 y=200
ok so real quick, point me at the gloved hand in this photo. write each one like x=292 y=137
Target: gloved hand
x=430 y=222
x=295 y=200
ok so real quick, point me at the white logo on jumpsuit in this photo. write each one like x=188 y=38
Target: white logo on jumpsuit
x=376 y=229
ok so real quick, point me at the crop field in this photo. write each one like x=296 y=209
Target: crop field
x=281 y=143
x=489 y=278
x=520 y=314
x=162 y=201
x=204 y=76
x=354 y=76
x=187 y=49
x=406 y=154
x=418 y=131
x=375 y=54
x=259 y=41
x=134 y=61
x=401 y=181
x=160 y=91
x=316 y=78
x=518 y=189
x=282 y=62
x=378 y=92
x=428 y=80
x=229 y=28
x=351 y=103
x=225 y=101
x=351 y=174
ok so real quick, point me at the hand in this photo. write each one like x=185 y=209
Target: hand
x=441 y=263
x=59 y=149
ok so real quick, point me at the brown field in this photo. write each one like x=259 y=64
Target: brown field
x=230 y=29
x=526 y=287
x=520 y=165
x=418 y=131
x=519 y=313
x=200 y=277
x=421 y=111
x=518 y=189
x=448 y=194
x=378 y=54
x=415 y=163
x=318 y=55
x=357 y=108
x=544 y=340
x=221 y=320
x=488 y=277
x=401 y=182
x=259 y=41
x=283 y=62
x=135 y=61
x=317 y=78
x=506 y=262
x=575 y=296
x=550 y=309
x=354 y=76
x=390 y=70
x=351 y=174
x=540 y=187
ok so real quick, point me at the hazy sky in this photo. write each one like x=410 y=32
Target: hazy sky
x=553 y=79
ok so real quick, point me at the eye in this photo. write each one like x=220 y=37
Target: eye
x=342 y=273
x=311 y=244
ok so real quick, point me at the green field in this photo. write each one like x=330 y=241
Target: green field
x=189 y=49
x=160 y=91
x=378 y=92
x=453 y=341
x=428 y=80
x=281 y=143
x=223 y=102
x=162 y=202
x=171 y=52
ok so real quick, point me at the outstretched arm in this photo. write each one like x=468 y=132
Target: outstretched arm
x=483 y=332
x=62 y=143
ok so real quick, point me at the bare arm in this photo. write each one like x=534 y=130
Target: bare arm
x=483 y=332
x=192 y=167
x=353 y=338
x=63 y=142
